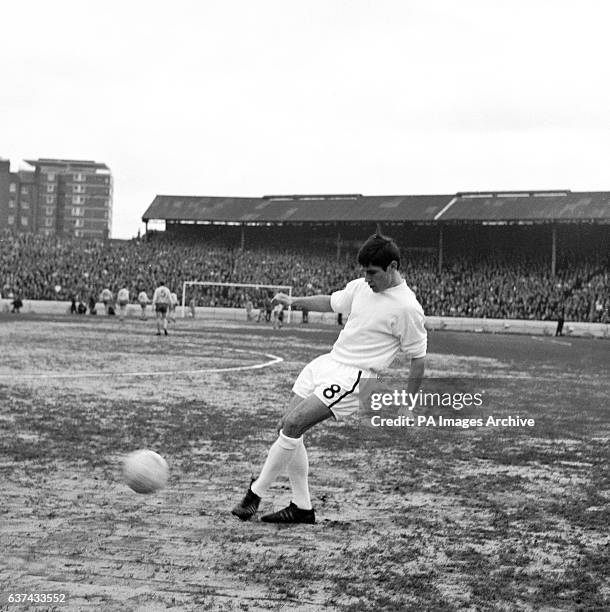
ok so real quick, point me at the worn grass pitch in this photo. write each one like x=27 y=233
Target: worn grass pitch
x=421 y=519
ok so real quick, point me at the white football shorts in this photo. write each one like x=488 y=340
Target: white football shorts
x=333 y=383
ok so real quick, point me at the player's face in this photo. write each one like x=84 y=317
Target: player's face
x=377 y=278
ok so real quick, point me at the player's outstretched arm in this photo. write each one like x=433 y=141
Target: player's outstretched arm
x=414 y=383
x=416 y=374
x=317 y=303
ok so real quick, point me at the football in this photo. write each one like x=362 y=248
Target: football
x=145 y=471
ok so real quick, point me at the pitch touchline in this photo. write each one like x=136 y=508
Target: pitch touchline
x=273 y=359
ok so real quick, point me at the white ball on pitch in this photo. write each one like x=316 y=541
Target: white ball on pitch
x=145 y=471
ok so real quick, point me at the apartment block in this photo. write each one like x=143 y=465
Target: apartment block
x=61 y=197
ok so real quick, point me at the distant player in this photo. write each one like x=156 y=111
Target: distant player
x=123 y=300
x=143 y=301
x=261 y=310
x=249 y=309
x=17 y=304
x=560 y=320
x=172 y=307
x=162 y=298
x=107 y=299
x=384 y=318
x=277 y=315
x=268 y=307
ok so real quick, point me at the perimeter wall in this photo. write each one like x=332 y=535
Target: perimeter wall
x=497 y=326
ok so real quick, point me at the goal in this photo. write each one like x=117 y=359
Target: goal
x=218 y=294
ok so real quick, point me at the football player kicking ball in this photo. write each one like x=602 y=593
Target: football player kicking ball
x=384 y=318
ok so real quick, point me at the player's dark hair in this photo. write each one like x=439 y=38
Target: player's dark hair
x=379 y=250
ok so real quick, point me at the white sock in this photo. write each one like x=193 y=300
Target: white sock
x=278 y=458
x=298 y=469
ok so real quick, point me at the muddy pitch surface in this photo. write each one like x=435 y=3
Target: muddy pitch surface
x=420 y=518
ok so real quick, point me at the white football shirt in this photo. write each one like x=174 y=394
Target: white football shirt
x=379 y=325
x=162 y=295
x=123 y=295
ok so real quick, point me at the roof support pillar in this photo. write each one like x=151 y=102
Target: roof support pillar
x=338 y=244
x=243 y=236
x=440 y=248
x=553 y=250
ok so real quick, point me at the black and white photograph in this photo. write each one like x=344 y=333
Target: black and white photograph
x=304 y=306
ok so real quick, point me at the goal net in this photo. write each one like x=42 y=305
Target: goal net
x=254 y=299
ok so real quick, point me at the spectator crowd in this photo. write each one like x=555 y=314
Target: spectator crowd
x=502 y=285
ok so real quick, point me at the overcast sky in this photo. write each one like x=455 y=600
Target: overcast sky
x=255 y=97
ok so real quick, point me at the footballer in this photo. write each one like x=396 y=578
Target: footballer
x=384 y=317
x=143 y=301
x=172 y=307
x=123 y=300
x=107 y=299
x=161 y=301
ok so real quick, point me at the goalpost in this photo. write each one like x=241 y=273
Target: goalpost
x=257 y=287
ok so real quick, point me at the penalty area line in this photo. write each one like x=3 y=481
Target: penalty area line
x=272 y=360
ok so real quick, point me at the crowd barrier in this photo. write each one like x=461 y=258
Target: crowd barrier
x=463 y=324
x=518 y=326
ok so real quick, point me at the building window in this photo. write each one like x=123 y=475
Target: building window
x=77 y=212
x=24 y=221
x=78 y=222
x=48 y=222
x=50 y=199
x=77 y=199
x=11 y=219
x=77 y=233
x=25 y=205
x=11 y=204
x=48 y=211
x=50 y=176
x=24 y=189
x=79 y=178
x=12 y=188
x=50 y=188
x=78 y=188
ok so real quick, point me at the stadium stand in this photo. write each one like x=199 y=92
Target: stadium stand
x=517 y=255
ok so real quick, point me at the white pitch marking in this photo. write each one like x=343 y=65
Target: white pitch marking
x=562 y=342
x=273 y=359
